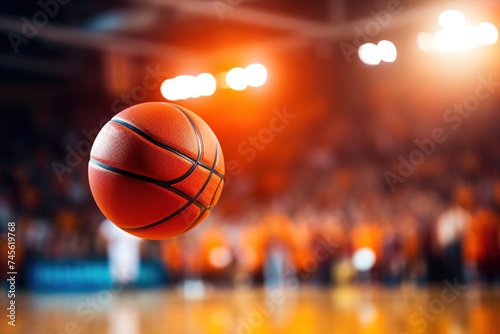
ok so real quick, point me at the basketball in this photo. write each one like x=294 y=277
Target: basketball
x=156 y=170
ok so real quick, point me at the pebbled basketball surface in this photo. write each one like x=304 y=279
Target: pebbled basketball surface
x=156 y=170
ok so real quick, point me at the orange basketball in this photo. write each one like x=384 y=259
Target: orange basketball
x=156 y=170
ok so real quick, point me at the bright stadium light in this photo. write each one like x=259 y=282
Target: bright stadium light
x=204 y=85
x=236 y=79
x=363 y=259
x=168 y=90
x=469 y=39
x=196 y=89
x=209 y=84
x=457 y=35
x=387 y=51
x=452 y=20
x=486 y=33
x=184 y=84
x=256 y=75
x=369 y=54
x=446 y=41
x=187 y=86
x=372 y=54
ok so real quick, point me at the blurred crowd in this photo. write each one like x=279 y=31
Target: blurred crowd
x=441 y=222
x=416 y=236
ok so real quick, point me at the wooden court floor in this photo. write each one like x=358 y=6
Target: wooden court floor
x=348 y=309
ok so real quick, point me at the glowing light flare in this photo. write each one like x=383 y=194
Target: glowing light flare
x=452 y=19
x=466 y=38
x=204 y=85
x=457 y=35
x=446 y=41
x=168 y=90
x=387 y=51
x=372 y=54
x=188 y=86
x=486 y=33
x=236 y=78
x=184 y=86
x=369 y=54
x=220 y=257
x=256 y=75
x=469 y=39
x=178 y=88
x=363 y=259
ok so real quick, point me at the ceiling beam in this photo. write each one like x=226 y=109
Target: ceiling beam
x=303 y=31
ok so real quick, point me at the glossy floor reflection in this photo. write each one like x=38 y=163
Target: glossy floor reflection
x=443 y=310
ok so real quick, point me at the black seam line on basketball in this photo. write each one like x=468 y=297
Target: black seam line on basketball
x=196 y=132
x=195 y=220
x=212 y=169
x=182 y=208
x=211 y=205
x=166 y=147
x=221 y=181
x=160 y=144
x=215 y=193
x=159 y=183
x=195 y=198
x=200 y=142
x=156 y=223
x=218 y=145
